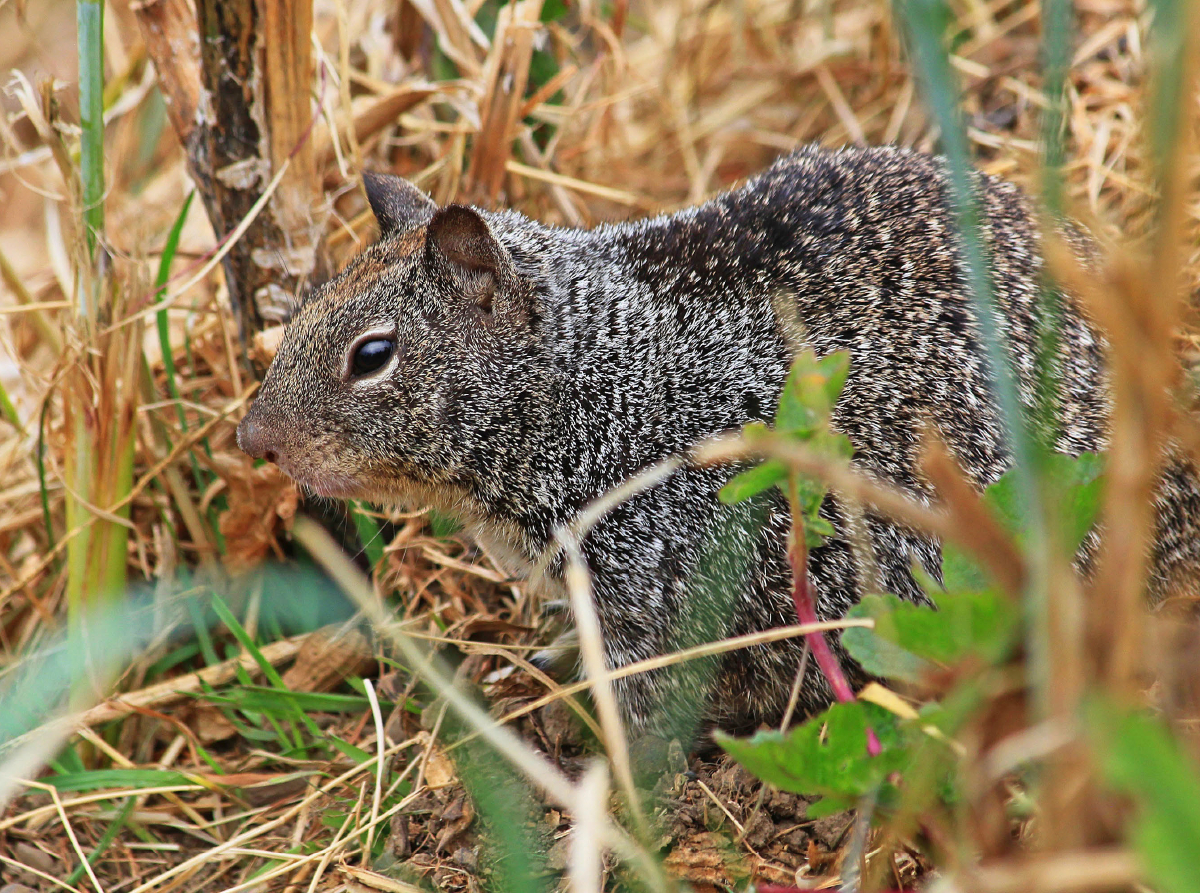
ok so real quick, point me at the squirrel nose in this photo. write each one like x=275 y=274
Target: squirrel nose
x=254 y=439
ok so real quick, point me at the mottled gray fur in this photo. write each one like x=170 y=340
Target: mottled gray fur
x=536 y=367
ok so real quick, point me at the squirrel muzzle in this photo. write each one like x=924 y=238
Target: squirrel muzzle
x=255 y=439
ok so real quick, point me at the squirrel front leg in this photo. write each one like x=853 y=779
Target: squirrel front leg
x=670 y=571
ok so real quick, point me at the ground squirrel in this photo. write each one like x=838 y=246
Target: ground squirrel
x=509 y=373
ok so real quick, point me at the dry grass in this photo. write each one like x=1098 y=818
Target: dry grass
x=646 y=108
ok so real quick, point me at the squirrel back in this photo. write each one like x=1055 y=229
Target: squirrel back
x=509 y=373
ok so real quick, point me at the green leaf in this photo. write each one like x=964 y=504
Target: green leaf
x=836 y=368
x=542 y=67
x=816 y=529
x=368 y=532
x=808 y=494
x=750 y=483
x=881 y=657
x=982 y=623
x=832 y=444
x=829 y=805
x=1169 y=101
x=794 y=415
x=553 y=10
x=827 y=755
x=822 y=526
x=443 y=526
x=333 y=820
x=69 y=762
x=811 y=390
x=1073 y=486
x=925 y=23
x=1078 y=486
x=1139 y=755
x=960 y=573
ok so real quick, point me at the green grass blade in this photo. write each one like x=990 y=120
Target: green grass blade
x=43 y=492
x=160 y=284
x=231 y=623
x=110 y=834
x=1058 y=18
x=368 y=533
x=1167 y=109
x=9 y=412
x=90 y=24
x=38 y=685
x=68 y=762
x=926 y=21
x=227 y=707
x=121 y=779
x=1057 y=28
x=263 y=699
x=239 y=632
x=348 y=750
x=200 y=625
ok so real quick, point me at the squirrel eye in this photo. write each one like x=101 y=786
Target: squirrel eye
x=371 y=355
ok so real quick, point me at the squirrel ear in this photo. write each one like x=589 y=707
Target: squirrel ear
x=458 y=237
x=398 y=205
x=461 y=236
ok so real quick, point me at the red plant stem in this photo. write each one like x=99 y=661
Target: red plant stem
x=806 y=610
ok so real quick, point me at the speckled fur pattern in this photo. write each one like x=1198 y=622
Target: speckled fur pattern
x=539 y=367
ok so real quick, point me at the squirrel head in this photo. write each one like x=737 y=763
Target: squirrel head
x=394 y=376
